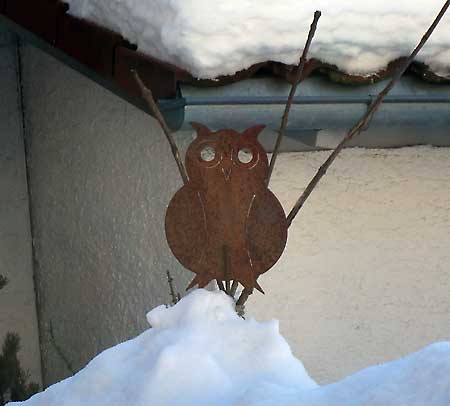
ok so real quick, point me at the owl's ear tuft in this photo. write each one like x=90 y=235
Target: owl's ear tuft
x=201 y=129
x=253 y=131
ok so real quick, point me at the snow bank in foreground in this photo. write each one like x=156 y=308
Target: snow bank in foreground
x=216 y=37
x=200 y=352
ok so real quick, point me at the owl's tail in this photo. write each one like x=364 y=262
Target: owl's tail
x=202 y=281
x=250 y=282
x=199 y=280
x=258 y=287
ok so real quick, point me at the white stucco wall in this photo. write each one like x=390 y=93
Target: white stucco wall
x=364 y=277
x=101 y=176
x=17 y=299
x=366 y=273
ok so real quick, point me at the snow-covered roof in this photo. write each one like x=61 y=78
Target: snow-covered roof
x=213 y=38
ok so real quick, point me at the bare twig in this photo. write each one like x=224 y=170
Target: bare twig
x=365 y=120
x=240 y=303
x=175 y=297
x=148 y=97
x=59 y=351
x=297 y=80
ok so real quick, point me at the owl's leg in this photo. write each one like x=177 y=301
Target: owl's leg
x=226 y=268
x=234 y=287
x=220 y=285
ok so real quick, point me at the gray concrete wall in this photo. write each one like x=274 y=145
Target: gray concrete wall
x=17 y=299
x=364 y=277
x=101 y=177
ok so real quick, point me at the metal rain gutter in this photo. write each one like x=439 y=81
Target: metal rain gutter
x=307 y=100
x=414 y=113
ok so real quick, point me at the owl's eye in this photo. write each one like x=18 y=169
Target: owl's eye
x=207 y=153
x=245 y=155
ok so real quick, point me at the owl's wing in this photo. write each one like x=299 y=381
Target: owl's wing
x=186 y=227
x=266 y=230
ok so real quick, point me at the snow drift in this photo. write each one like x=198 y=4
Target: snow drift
x=199 y=352
x=215 y=37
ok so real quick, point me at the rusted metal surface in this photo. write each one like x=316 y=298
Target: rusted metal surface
x=224 y=224
x=90 y=44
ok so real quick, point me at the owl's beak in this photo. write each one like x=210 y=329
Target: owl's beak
x=227 y=173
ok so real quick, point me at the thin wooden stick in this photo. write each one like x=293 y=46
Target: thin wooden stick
x=240 y=303
x=172 y=289
x=244 y=296
x=365 y=120
x=297 y=80
x=148 y=97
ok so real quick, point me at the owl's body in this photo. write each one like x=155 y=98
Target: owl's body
x=224 y=223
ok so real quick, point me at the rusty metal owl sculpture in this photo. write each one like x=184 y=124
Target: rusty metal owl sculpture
x=224 y=224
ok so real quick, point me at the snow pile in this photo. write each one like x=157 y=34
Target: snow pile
x=420 y=379
x=216 y=37
x=200 y=352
